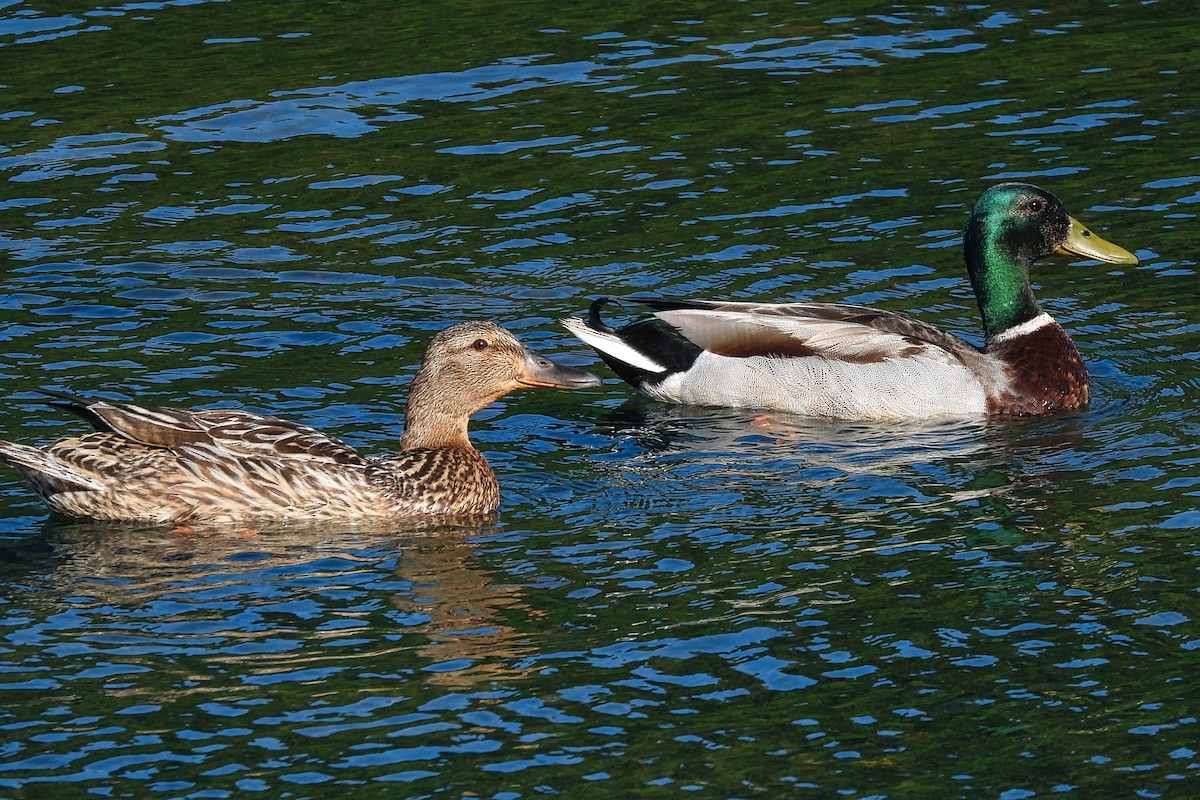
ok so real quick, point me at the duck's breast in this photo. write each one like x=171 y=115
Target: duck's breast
x=1044 y=372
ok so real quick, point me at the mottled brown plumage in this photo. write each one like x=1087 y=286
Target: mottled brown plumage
x=175 y=465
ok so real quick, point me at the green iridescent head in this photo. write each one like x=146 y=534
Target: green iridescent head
x=1011 y=226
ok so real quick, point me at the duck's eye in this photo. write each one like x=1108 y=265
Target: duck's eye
x=1036 y=206
x=480 y=344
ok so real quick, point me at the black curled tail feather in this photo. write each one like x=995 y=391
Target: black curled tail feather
x=654 y=302
x=594 y=321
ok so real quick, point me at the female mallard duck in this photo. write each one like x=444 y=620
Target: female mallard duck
x=856 y=362
x=174 y=465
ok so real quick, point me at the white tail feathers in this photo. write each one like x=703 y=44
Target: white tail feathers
x=612 y=345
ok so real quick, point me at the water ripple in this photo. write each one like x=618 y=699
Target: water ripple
x=274 y=210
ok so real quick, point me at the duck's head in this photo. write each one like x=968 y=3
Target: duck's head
x=1011 y=226
x=1027 y=223
x=472 y=364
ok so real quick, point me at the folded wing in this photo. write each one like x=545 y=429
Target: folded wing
x=836 y=332
x=235 y=433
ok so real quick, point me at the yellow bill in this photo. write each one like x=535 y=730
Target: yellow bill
x=1082 y=242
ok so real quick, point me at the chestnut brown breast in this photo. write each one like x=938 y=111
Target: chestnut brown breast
x=1046 y=374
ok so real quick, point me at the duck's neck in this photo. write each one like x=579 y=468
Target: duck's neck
x=999 y=270
x=437 y=415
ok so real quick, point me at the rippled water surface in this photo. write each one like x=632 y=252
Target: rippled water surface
x=275 y=205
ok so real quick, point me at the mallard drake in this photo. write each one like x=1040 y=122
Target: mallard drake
x=177 y=465
x=857 y=362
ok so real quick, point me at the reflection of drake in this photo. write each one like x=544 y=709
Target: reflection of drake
x=856 y=362
x=171 y=465
x=667 y=454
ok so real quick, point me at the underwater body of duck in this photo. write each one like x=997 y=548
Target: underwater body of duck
x=176 y=465
x=857 y=362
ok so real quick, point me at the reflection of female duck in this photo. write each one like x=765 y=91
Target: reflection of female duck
x=857 y=362
x=472 y=624
x=169 y=465
x=259 y=586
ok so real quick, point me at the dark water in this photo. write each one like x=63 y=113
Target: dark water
x=275 y=204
